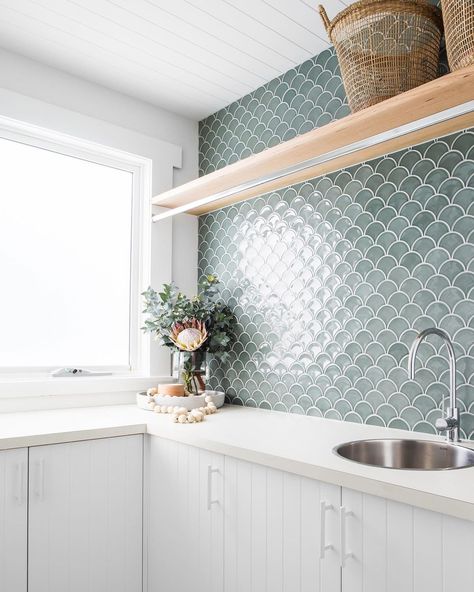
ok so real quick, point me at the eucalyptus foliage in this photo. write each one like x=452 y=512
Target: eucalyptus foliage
x=171 y=306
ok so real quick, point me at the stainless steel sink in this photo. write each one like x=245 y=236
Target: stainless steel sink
x=422 y=455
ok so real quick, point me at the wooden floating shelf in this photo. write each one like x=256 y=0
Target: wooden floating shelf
x=440 y=107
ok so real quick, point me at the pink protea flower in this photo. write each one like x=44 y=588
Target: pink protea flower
x=189 y=335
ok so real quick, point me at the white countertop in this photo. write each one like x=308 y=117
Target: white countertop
x=289 y=442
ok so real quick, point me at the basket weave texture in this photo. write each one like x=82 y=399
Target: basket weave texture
x=458 y=16
x=385 y=47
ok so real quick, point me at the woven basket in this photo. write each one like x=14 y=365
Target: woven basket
x=458 y=16
x=385 y=47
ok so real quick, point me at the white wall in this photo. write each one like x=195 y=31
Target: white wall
x=48 y=85
x=44 y=96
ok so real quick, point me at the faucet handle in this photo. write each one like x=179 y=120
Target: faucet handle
x=445 y=424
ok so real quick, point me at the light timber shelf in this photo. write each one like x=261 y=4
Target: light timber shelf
x=437 y=108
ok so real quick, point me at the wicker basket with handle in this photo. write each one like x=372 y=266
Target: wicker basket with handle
x=385 y=47
x=458 y=16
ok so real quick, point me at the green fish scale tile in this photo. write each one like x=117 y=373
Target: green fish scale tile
x=330 y=280
x=306 y=97
x=326 y=312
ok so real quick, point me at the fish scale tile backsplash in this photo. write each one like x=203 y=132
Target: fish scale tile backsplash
x=306 y=97
x=300 y=100
x=331 y=280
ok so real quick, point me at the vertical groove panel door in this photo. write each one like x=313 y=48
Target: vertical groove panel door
x=85 y=516
x=280 y=531
x=184 y=520
x=13 y=520
x=393 y=547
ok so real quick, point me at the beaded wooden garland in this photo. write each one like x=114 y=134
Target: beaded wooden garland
x=181 y=414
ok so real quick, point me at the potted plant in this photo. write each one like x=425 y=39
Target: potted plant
x=191 y=328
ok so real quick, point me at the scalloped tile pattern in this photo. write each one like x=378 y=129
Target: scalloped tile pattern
x=306 y=97
x=303 y=98
x=331 y=280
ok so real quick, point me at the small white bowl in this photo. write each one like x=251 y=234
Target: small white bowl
x=218 y=397
x=191 y=402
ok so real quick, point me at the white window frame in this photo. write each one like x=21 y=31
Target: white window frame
x=141 y=169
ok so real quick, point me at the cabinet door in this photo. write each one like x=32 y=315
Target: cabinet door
x=184 y=520
x=280 y=530
x=13 y=519
x=85 y=516
x=391 y=547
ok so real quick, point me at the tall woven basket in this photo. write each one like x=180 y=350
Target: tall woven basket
x=385 y=47
x=458 y=16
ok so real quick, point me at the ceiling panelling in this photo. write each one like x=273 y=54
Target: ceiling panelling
x=191 y=56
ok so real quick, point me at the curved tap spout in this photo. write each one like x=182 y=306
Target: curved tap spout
x=451 y=423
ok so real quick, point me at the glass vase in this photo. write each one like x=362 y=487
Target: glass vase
x=191 y=370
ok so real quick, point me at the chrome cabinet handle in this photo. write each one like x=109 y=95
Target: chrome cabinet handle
x=324 y=507
x=39 y=481
x=343 y=513
x=210 y=500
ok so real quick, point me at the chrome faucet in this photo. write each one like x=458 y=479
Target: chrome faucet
x=451 y=423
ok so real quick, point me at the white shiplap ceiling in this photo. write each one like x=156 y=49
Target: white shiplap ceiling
x=190 y=56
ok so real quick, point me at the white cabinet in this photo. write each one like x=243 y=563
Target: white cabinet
x=392 y=547
x=85 y=516
x=219 y=524
x=280 y=531
x=13 y=520
x=184 y=520
x=72 y=520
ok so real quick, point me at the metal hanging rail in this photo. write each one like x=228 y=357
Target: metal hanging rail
x=369 y=142
x=432 y=110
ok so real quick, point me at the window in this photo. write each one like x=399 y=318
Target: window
x=72 y=234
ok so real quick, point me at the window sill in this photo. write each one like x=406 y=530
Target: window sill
x=40 y=386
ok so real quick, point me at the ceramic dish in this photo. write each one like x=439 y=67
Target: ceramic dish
x=188 y=402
